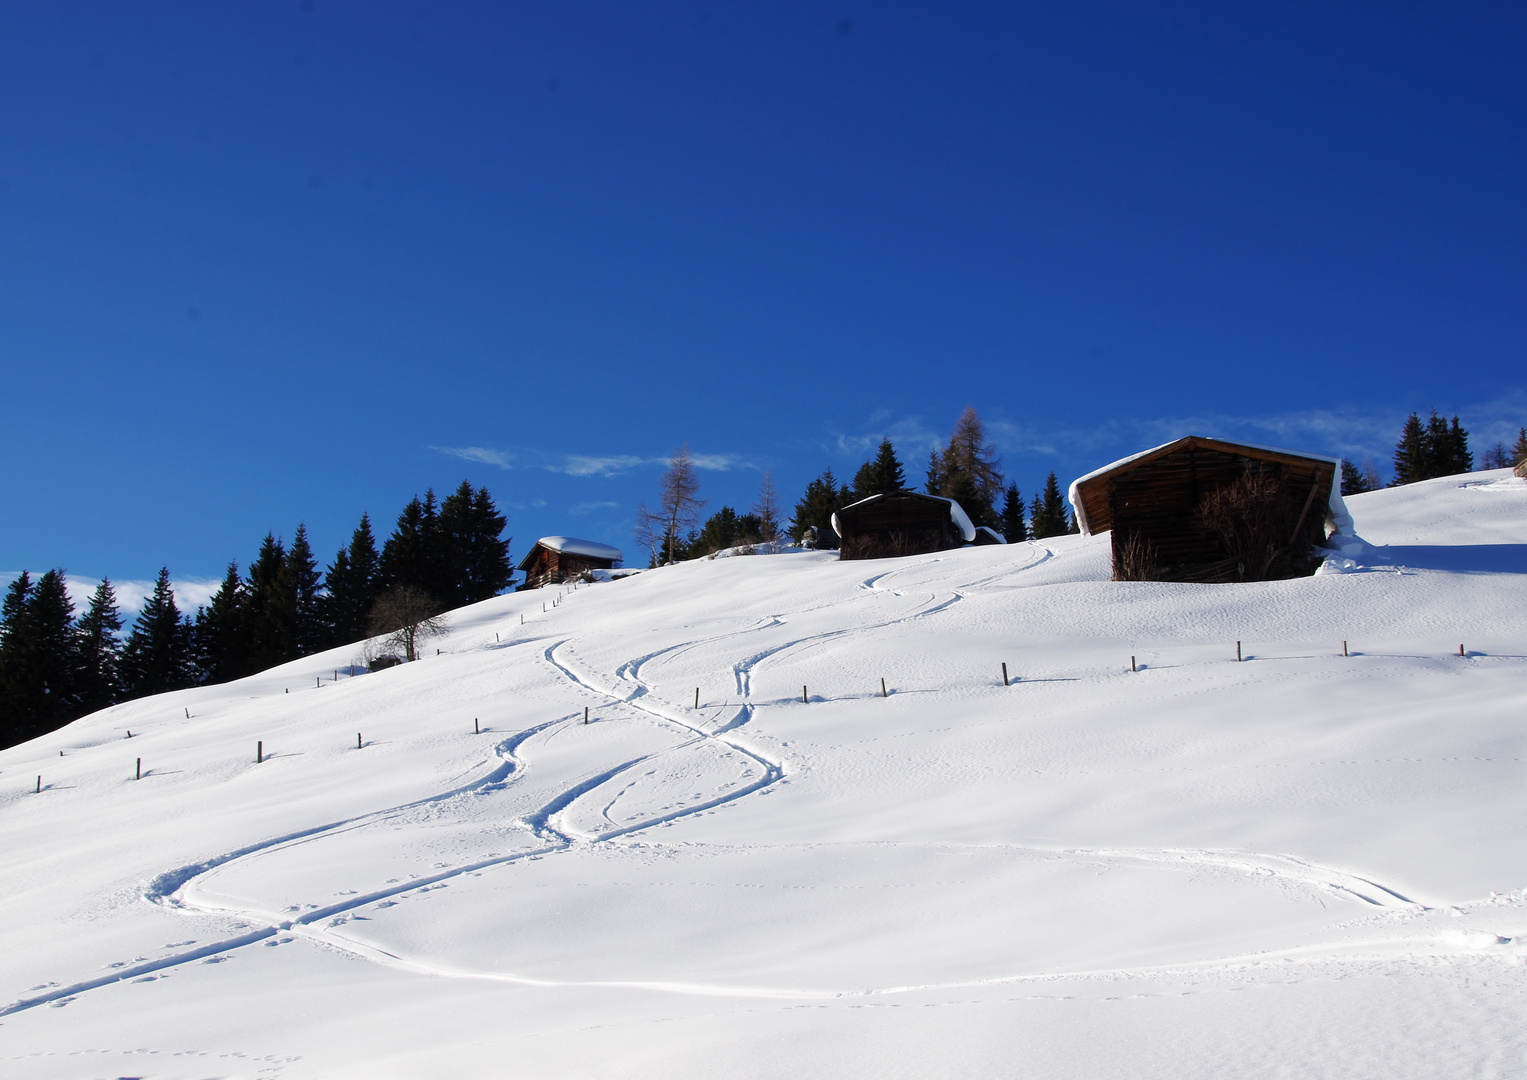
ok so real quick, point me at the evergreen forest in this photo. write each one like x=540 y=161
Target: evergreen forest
x=55 y=667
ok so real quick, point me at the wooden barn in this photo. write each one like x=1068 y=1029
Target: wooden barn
x=1206 y=510
x=901 y=523
x=555 y=559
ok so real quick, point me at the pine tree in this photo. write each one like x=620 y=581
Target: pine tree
x=933 y=482
x=52 y=619
x=1412 y=460
x=300 y=582
x=1049 y=511
x=722 y=530
x=1014 y=529
x=98 y=651
x=823 y=498
x=157 y=656
x=411 y=555
x=38 y=661
x=881 y=475
x=270 y=608
x=351 y=586
x=220 y=633
x=475 y=556
x=1459 y=458
x=1353 y=482
x=17 y=700
x=1519 y=450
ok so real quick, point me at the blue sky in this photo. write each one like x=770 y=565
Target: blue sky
x=263 y=263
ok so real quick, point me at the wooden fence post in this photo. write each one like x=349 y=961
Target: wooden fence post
x=1004 y=676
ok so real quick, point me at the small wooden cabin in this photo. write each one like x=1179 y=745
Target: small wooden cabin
x=555 y=559
x=900 y=523
x=1207 y=510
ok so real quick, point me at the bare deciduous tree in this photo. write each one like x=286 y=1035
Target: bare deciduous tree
x=405 y=617
x=679 y=506
x=766 y=506
x=649 y=530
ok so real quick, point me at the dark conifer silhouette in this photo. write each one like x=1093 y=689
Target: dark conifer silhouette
x=822 y=499
x=221 y=632
x=300 y=581
x=1048 y=512
x=98 y=652
x=351 y=586
x=881 y=475
x=1013 y=529
x=474 y=554
x=157 y=656
x=270 y=616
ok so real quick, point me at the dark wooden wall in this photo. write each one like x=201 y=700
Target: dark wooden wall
x=1157 y=502
x=553 y=567
x=896 y=525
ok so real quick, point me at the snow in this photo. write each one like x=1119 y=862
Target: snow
x=574 y=546
x=1336 y=512
x=1303 y=864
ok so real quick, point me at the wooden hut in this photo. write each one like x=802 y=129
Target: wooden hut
x=1207 y=510
x=900 y=523
x=555 y=559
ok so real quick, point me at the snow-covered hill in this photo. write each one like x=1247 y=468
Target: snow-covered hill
x=1302 y=864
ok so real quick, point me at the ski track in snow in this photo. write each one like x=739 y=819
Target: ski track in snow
x=630 y=691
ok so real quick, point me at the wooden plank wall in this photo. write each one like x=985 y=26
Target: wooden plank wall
x=896 y=526
x=1158 y=500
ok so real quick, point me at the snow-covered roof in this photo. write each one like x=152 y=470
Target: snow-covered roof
x=956 y=513
x=992 y=534
x=571 y=545
x=1340 y=519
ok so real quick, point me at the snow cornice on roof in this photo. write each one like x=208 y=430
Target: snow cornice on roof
x=572 y=545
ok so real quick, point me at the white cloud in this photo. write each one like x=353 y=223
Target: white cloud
x=587 y=465
x=481 y=454
x=911 y=436
x=718 y=462
x=617 y=464
x=589 y=507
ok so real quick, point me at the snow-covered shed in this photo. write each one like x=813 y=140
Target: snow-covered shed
x=901 y=523
x=555 y=559
x=1207 y=510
